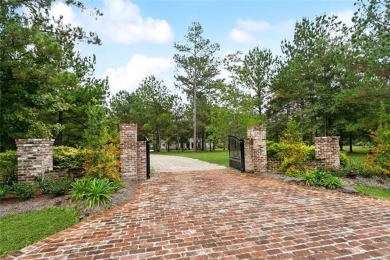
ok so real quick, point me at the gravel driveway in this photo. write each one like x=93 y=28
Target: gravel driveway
x=168 y=163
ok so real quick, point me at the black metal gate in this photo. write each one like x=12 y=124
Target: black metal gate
x=236 y=153
x=147 y=158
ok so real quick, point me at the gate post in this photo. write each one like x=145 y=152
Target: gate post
x=327 y=149
x=128 y=149
x=147 y=158
x=256 y=149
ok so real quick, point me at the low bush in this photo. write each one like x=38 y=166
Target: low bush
x=293 y=157
x=332 y=182
x=65 y=157
x=321 y=179
x=103 y=163
x=8 y=167
x=4 y=189
x=343 y=159
x=293 y=152
x=272 y=149
x=55 y=186
x=23 y=191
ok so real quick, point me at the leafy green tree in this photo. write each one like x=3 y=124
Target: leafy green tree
x=312 y=75
x=122 y=108
x=41 y=73
x=154 y=108
x=197 y=68
x=256 y=74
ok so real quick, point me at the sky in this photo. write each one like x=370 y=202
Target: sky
x=138 y=35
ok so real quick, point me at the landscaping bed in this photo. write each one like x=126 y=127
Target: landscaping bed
x=11 y=205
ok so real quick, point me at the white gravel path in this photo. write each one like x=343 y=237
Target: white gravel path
x=169 y=163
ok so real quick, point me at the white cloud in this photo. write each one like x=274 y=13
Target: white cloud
x=248 y=31
x=60 y=9
x=139 y=66
x=122 y=22
x=240 y=37
x=252 y=26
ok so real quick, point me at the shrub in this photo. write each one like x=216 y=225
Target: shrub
x=292 y=151
x=311 y=152
x=320 y=178
x=272 y=149
x=8 y=167
x=293 y=156
x=65 y=157
x=332 y=182
x=23 y=191
x=380 y=153
x=104 y=162
x=368 y=170
x=4 y=189
x=55 y=186
x=343 y=159
x=95 y=191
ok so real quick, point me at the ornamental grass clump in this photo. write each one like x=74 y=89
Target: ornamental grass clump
x=94 y=191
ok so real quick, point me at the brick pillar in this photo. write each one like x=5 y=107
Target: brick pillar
x=257 y=149
x=141 y=160
x=327 y=149
x=35 y=158
x=128 y=150
x=248 y=151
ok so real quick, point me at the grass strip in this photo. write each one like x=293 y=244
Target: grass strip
x=21 y=230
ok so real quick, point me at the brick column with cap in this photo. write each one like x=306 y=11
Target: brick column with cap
x=35 y=158
x=327 y=149
x=128 y=150
x=256 y=149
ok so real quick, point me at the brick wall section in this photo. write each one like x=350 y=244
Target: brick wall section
x=257 y=139
x=128 y=150
x=274 y=164
x=35 y=158
x=327 y=149
x=141 y=160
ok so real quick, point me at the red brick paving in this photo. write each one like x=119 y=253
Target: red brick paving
x=227 y=215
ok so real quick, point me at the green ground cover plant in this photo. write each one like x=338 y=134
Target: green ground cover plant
x=21 y=230
x=23 y=190
x=321 y=178
x=55 y=186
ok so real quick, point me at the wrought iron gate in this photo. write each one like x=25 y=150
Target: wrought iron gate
x=147 y=158
x=236 y=153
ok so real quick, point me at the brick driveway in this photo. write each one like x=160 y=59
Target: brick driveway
x=223 y=214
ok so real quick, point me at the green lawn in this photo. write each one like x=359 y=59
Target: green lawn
x=24 y=229
x=359 y=155
x=222 y=157
x=218 y=157
x=374 y=191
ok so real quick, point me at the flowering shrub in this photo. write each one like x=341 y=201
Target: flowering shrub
x=292 y=151
x=103 y=162
x=380 y=154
